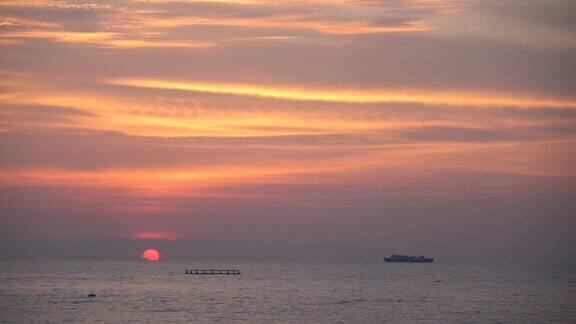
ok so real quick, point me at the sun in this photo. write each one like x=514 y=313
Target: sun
x=151 y=255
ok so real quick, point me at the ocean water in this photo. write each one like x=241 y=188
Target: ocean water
x=285 y=292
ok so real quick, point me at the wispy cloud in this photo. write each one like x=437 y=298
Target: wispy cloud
x=105 y=39
x=222 y=117
x=355 y=95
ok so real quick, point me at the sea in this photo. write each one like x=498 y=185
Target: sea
x=285 y=292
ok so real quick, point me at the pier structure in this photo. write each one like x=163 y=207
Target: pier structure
x=213 y=272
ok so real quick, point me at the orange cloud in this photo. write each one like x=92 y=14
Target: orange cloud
x=154 y=235
x=106 y=39
x=145 y=116
x=159 y=181
x=420 y=96
x=288 y=22
x=289 y=113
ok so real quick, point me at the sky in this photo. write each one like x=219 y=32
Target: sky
x=346 y=127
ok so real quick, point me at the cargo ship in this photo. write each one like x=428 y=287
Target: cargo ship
x=404 y=258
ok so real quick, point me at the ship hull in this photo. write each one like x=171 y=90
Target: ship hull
x=409 y=261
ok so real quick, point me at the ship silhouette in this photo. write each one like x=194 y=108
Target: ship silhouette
x=404 y=258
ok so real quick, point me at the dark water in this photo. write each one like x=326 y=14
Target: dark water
x=284 y=292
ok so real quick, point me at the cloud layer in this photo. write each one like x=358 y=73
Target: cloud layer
x=327 y=122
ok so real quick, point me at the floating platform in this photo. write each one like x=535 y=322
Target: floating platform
x=404 y=258
x=213 y=272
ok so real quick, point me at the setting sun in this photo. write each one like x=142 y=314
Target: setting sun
x=151 y=255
